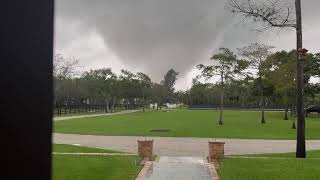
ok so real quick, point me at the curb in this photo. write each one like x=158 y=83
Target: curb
x=144 y=170
x=213 y=171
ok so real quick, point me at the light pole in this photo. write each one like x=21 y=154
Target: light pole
x=301 y=145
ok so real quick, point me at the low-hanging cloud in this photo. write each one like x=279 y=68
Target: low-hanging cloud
x=154 y=35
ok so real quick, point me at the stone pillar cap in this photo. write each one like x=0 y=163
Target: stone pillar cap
x=216 y=142
x=145 y=140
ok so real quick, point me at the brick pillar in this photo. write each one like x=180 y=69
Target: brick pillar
x=216 y=153
x=145 y=148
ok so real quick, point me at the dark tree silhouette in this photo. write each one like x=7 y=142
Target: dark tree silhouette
x=226 y=66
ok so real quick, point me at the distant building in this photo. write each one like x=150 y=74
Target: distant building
x=154 y=105
x=171 y=106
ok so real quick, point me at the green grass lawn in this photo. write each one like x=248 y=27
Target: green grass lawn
x=195 y=123
x=271 y=169
x=65 y=148
x=85 y=167
x=75 y=167
x=310 y=154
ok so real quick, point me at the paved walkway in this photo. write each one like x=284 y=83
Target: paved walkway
x=197 y=147
x=93 y=115
x=177 y=168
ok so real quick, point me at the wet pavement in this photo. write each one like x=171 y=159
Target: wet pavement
x=172 y=146
x=178 y=168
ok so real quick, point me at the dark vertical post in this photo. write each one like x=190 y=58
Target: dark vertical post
x=143 y=101
x=221 y=100
x=263 y=120
x=301 y=147
x=26 y=35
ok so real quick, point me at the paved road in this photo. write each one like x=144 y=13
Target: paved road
x=93 y=115
x=169 y=146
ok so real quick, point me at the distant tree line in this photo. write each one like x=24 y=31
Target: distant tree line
x=104 y=88
x=251 y=78
x=256 y=78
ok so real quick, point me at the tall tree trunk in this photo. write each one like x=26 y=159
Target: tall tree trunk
x=132 y=104
x=143 y=101
x=107 y=104
x=301 y=145
x=263 y=119
x=286 y=113
x=221 y=101
x=113 y=104
x=217 y=103
x=293 y=124
x=286 y=108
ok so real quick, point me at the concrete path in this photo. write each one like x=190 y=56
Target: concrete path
x=178 y=168
x=93 y=115
x=196 y=147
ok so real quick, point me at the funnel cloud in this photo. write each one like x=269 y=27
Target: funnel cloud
x=152 y=36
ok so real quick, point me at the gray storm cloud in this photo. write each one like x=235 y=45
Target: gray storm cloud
x=155 y=35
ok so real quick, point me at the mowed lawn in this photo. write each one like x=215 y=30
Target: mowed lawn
x=93 y=167
x=66 y=148
x=193 y=123
x=277 y=167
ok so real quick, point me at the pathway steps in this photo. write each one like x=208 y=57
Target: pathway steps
x=177 y=168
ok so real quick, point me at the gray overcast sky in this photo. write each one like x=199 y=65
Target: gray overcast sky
x=152 y=36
